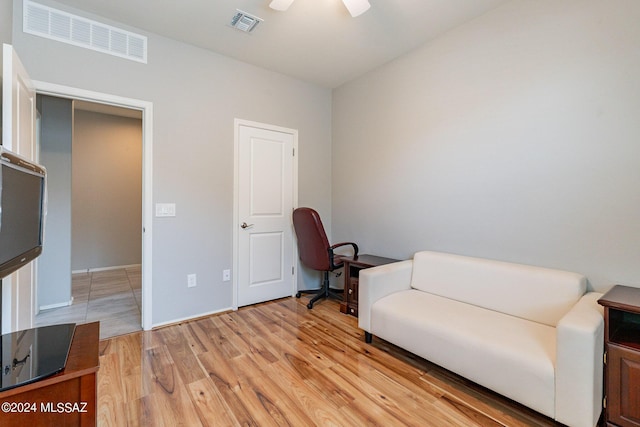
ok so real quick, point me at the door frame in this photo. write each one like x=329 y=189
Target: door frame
x=236 y=198
x=61 y=91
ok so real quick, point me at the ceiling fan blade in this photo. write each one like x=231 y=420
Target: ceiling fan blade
x=280 y=4
x=356 y=7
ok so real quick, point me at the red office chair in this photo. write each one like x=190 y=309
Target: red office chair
x=315 y=251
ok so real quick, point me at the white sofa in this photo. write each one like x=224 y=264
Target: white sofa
x=529 y=333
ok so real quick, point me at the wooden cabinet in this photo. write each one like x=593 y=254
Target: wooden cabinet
x=64 y=399
x=622 y=356
x=352 y=267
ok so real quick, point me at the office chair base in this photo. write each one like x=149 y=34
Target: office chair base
x=324 y=292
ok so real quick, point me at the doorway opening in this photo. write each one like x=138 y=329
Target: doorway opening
x=93 y=155
x=113 y=272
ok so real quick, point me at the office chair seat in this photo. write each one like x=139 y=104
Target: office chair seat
x=315 y=251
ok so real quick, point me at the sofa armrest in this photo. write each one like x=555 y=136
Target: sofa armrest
x=579 y=363
x=377 y=282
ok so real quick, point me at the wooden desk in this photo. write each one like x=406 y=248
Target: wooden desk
x=75 y=388
x=352 y=267
x=622 y=355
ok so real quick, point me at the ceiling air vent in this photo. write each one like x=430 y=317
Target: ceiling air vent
x=64 y=27
x=244 y=21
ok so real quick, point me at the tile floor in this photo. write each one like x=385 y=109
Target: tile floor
x=113 y=297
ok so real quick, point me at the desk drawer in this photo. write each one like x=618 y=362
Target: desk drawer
x=352 y=291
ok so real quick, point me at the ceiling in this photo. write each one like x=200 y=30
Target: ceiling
x=315 y=40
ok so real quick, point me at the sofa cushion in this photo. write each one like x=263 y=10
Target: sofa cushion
x=540 y=294
x=510 y=355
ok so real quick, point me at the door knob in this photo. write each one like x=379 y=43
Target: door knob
x=245 y=225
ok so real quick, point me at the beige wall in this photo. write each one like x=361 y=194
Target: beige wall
x=514 y=136
x=106 y=191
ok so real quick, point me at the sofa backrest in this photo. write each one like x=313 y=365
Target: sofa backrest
x=540 y=294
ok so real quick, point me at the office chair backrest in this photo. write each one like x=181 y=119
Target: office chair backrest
x=313 y=245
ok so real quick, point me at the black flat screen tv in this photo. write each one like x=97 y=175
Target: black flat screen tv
x=22 y=208
x=34 y=354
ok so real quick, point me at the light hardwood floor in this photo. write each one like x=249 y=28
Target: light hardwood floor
x=277 y=364
x=112 y=296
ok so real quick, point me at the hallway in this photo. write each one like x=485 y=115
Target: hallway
x=113 y=297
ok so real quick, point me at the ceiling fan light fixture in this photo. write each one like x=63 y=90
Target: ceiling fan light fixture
x=356 y=7
x=280 y=4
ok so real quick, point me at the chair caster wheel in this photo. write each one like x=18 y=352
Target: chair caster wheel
x=298 y=295
x=309 y=306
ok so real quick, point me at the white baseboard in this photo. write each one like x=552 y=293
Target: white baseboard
x=186 y=319
x=58 y=305
x=115 y=267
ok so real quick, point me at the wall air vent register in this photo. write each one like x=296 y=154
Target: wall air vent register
x=61 y=26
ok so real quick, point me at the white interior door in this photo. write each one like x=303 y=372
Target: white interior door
x=265 y=194
x=19 y=136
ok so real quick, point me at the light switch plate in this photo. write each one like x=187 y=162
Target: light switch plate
x=165 y=209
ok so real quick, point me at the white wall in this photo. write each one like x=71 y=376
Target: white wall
x=107 y=191
x=514 y=136
x=196 y=96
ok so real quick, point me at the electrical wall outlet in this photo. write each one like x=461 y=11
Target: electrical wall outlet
x=226 y=275
x=191 y=280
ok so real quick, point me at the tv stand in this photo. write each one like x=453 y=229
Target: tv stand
x=67 y=398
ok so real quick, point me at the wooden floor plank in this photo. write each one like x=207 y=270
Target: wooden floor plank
x=183 y=357
x=210 y=405
x=225 y=381
x=111 y=410
x=130 y=355
x=308 y=398
x=278 y=364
